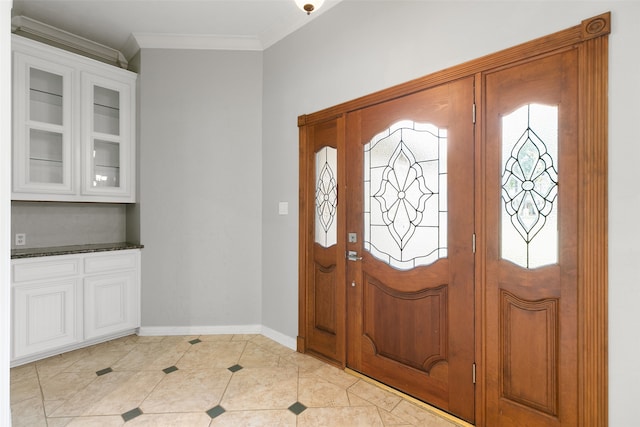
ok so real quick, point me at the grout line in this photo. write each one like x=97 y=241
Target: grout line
x=226 y=387
x=140 y=403
x=442 y=414
x=44 y=409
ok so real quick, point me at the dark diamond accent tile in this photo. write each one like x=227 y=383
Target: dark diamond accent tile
x=103 y=371
x=297 y=408
x=234 y=368
x=169 y=369
x=129 y=415
x=215 y=411
x=196 y=341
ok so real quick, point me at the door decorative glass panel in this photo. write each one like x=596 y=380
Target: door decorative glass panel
x=529 y=224
x=326 y=197
x=405 y=195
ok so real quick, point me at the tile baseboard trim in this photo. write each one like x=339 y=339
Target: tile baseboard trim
x=278 y=337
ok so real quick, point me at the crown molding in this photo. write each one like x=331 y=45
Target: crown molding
x=51 y=35
x=260 y=42
x=40 y=31
x=190 y=41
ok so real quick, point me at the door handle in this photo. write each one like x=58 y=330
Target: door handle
x=353 y=256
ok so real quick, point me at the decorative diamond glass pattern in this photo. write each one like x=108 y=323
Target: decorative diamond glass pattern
x=529 y=224
x=405 y=195
x=326 y=197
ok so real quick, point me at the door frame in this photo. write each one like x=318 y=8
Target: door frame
x=590 y=38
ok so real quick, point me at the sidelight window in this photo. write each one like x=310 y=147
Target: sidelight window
x=326 y=197
x=529 y=222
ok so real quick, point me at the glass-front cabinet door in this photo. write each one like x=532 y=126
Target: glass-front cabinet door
x=106 y=136
x=42 y=99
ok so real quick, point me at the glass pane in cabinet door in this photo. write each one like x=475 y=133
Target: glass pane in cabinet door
x=45 y=156
x=45 y=97
x=106 y=111
x=106 y=164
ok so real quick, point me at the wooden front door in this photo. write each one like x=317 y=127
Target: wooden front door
x=532 y=220
x=410 y=225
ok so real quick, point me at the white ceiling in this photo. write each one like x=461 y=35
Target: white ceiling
x=202 y=24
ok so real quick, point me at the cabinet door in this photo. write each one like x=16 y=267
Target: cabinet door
x=46 y=316
x=107 y=137
x=42 y=108
x=111 y=303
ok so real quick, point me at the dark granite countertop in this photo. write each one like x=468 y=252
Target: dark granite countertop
x=75 y=249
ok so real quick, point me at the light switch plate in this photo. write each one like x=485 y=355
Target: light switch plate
x=283 y=208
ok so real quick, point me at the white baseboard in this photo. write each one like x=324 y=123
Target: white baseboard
x=199 y=330
x=278 y=337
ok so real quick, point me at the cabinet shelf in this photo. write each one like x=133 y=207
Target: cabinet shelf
x=36 y=92
x=45 y=107
x=39 y=159
x=107 y=106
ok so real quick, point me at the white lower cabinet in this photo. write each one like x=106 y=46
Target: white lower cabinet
x=111 y=304
x=46 y=316
x=68 y=301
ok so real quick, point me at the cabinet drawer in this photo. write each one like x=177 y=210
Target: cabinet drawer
x=40 y=270
x=110 y=262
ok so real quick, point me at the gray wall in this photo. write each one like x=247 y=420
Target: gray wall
x=133 y=209
x=200 y=194
x=357 y=48
x=61 y=224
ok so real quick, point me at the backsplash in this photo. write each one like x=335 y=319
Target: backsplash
x=61 y=224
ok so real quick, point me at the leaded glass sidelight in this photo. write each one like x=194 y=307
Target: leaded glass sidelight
x=326 y=197
x=529 y=220
x=405 y=195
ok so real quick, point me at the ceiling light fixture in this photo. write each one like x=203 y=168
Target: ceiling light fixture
x=309 y=5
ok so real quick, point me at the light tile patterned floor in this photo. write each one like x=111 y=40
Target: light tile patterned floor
x=208 y=380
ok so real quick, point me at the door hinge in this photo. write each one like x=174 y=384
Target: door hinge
x=473 y=372
x=474 y=113
x=473 y=242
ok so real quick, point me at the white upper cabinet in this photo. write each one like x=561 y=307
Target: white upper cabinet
x=74 y=127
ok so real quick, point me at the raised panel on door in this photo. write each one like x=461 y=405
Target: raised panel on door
x=410 y=200
x=325 y=306
x=46 y=316
x=531 y=122
x=111 y=302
